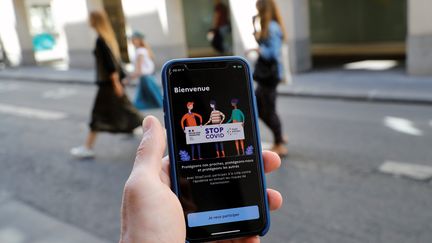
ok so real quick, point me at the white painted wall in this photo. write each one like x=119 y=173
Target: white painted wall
x=8 y=32
x=161 y=22
x=419 y=39
x=419 y=17
x=242 y=12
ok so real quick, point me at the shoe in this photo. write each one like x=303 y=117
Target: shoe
x=138 y=132
x=82 y=152
x=280 y=149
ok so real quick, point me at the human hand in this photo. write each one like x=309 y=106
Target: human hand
x=119 y=90
x=151 y=212
x=116 y=83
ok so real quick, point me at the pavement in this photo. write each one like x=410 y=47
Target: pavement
x=391 y=85
x=27 y=224
x=333 y=187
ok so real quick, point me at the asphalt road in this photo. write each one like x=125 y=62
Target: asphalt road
x=332 y=188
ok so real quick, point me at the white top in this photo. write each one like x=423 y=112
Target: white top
x=147 y=66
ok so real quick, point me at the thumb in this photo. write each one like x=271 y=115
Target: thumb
x=152 y=146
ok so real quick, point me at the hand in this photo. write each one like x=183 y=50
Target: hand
x=151 y=212
x=119 y=90
x=118 y=87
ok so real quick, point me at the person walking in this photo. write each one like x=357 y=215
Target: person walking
x=112 y=111
x=148 y=94
x=268 y=70
x=221 y=27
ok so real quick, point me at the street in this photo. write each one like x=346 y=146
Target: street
x=332 y=186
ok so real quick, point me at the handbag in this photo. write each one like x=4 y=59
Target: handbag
x=266 y=72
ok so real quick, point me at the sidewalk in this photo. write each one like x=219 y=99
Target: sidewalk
x=334 y=83
x=22 y=223
x=364 y=85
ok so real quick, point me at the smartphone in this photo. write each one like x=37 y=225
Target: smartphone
x=214 y=146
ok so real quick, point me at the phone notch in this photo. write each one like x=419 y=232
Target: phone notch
x=206 y=65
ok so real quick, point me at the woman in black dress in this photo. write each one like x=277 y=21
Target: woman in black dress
x=112 y=111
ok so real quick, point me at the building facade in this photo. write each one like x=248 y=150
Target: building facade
x=50 y=31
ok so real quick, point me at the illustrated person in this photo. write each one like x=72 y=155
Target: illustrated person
x=148 y=196
x=112 y=111
x=237 y=116
x=190 y=120
x=270 y=39
x=216 y=117
x=148 y=95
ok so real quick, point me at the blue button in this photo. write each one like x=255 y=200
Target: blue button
x=222 y=216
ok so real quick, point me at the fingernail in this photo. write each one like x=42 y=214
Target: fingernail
x=147 y=124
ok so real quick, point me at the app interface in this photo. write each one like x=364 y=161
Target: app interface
x=215 y=149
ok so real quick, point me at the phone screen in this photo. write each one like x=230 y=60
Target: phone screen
x=215 y=139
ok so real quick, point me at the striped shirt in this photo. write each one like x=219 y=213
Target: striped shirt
x=216 y=117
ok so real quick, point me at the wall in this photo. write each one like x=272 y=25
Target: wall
x=162 y=23
x=419 y=48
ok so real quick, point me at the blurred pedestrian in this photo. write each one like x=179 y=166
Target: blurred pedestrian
x=148 y=94
x=268 y=72
x=112 y=111
x=221 y=27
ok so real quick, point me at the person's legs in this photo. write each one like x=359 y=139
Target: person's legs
x=217 y=149
x=264 y=105
x=260 y=102
x=199 y=151
x=242 y=146
x=86 y=150
x=267 y=112
x=193 y=151
x=222 y=149
x=91 y=139
x=273 y=117
x=237 y=146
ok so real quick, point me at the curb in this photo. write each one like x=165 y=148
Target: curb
x=357 y=97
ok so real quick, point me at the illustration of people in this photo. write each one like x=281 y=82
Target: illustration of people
x=190 y=120
x=237 y=116
x=217 y=117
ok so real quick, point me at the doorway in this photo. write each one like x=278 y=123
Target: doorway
x=346 y=31
x=199 y=20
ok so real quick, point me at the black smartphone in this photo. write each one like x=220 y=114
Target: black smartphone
x=214 y=146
